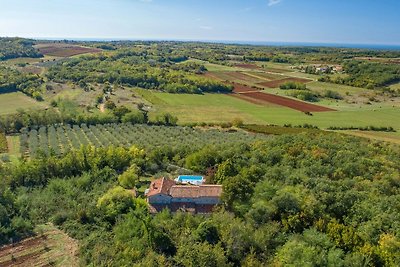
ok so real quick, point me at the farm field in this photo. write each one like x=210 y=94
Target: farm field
x=286 y=102
x=51 y=247
x=61 y=139
x=251 y=94
x=11 y=102
x=224 y=108
x=64 y=50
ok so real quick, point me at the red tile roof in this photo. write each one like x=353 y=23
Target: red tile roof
x=190 y=191
x=168 y=187
x=160 y=186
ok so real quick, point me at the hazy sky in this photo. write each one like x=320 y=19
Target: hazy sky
x=328 y=21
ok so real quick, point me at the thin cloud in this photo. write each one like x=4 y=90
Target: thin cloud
x=206 y=28
x=273 y=2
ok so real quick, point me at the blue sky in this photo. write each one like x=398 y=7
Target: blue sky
x=323 y=21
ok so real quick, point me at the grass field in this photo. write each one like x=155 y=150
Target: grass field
x=223 y=108
x=11 y=102
x=342 y=89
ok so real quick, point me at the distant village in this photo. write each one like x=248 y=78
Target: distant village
x=320 y=69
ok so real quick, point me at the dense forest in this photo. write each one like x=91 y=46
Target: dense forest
x=17 y=47
x=367 y=75
x=305 y=200
x=13 y=80
x=140 y=68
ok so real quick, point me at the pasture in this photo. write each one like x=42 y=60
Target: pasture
x=217 y=108
x=11 y=102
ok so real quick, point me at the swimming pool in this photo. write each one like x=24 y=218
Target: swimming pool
x=190 y=179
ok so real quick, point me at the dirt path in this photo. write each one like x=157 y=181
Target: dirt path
x=102 y=108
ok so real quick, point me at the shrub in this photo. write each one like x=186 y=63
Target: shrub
x=293 y=85
x=305 y=95
x=332 y=94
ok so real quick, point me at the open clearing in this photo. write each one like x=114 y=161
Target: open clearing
x=218 y=108
x=51 y=247
x=64 y=50
x=11 y=102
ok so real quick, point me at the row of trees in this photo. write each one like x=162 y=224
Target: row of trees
x=35 y=118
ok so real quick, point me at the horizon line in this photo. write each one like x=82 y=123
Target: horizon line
x=239 y=42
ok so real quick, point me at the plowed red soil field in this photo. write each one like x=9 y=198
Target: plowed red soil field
x=288 y=102
x=258 y=96
x=239 y=88
x=277 y=83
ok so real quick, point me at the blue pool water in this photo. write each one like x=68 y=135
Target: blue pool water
x=192 y=179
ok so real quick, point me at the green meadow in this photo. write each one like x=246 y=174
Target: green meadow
x=11 y=102
x=224 y=108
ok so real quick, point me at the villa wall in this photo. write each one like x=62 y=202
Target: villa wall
x=159 y=199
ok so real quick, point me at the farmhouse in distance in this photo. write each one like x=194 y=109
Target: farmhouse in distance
x=169 y=194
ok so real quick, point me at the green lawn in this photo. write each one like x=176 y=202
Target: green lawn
x=224 y=108
x=10 y=102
